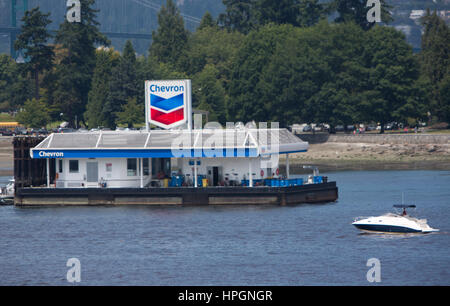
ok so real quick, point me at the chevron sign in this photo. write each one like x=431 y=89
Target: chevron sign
x=167 y=102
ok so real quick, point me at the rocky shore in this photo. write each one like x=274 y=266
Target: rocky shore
x=372 y=156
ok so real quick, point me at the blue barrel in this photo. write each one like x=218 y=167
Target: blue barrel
x=199 y=180
x=299 y=181
x=245 y=182
x=317 y=180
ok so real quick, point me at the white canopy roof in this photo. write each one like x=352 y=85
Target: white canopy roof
x=169 y=143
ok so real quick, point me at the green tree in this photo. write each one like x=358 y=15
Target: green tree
x=356 y=11
x=310 y=12
x=239 y=15
x=170 y=39
x=15 y=89
x=257 y=49
x=392 y=73
x=340 y=49
x=33 y=40
x=207 y=21
x=209 y=94
x=435 y=62
x=34 y=114
x=213 y=46
x=75 y=70
x=444 y=92
x=106 y=59
x=132 y=113
x=122 y=86
x=6 y=80
x=276 y=11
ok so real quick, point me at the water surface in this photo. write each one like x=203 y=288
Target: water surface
x=235 y=245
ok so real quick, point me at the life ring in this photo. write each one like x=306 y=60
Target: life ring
x=278 y=171
x=262 y=173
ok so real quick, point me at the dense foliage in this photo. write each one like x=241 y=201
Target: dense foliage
x=261 y=60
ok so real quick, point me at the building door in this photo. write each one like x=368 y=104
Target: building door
x=92 y=174
x=215 y=176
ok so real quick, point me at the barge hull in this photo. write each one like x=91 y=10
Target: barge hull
x=314 y=193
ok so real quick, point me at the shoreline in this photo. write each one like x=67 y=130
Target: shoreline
x=330 y=156
x=341 y=165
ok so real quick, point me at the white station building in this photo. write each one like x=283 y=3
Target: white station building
x=189 y=157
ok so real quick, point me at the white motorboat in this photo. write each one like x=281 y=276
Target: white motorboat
x=394 y=223
x=7 y=193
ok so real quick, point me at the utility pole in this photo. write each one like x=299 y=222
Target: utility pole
x=12 y=35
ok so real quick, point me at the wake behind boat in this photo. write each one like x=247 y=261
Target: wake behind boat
x=394 y=223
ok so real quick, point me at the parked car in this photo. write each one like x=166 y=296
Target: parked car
x=43 y=131
x=66 y=130
x=322 y=127
x=20 y=131
x=391 y=126
x=6 y=132
x=371 y=127
x=339 y=128
x=295 y=128
x=307 y=128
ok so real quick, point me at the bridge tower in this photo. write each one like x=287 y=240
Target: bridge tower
x=14 y=9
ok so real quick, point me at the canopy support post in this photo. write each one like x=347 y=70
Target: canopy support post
x=287 y=167
x=141 y=168
x=250 y=172
x=195 y=173
x=48 y=172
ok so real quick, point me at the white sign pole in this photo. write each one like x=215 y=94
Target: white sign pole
x=189 y=104
x=147 y=103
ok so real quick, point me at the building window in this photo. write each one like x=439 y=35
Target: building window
x=146 y=164
x=60 y=164
x=73 y=166
x=131 y=166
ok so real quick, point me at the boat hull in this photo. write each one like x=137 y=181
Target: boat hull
x=379 y=228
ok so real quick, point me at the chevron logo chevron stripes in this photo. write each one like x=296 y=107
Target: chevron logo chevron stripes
x=166 y=105
x=167 y=111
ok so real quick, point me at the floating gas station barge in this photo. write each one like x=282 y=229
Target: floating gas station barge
x=187 y=166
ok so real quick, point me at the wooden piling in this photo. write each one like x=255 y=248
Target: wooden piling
x=29 y=172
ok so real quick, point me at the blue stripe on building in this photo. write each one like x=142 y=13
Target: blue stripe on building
x=141 y=153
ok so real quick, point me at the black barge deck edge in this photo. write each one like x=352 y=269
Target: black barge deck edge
x=314 y=193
